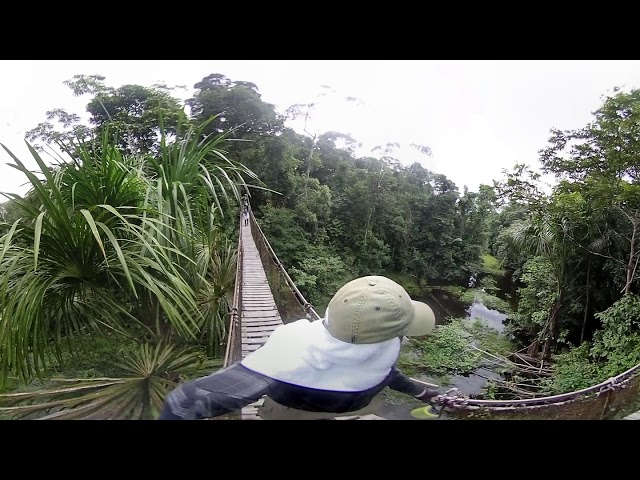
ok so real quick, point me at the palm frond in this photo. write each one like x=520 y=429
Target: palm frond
x=599 y=245
x=148 y=376
x=84 y=257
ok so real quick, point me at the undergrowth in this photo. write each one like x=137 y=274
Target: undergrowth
x=448 y=350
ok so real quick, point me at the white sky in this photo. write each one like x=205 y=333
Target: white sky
x=477 y=116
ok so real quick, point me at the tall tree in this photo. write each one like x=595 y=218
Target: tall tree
x=237 y=106
x=135 y=115
x=601 y=160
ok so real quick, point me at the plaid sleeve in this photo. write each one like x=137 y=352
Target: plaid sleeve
x=224 y=391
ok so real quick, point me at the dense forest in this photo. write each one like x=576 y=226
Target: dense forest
x=124 y=247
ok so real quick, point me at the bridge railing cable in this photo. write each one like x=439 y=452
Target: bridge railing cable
x=234 y=342
x=291 y=303
x=614 y=398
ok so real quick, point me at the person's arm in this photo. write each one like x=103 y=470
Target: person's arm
x=401 y=383
x=224 y=391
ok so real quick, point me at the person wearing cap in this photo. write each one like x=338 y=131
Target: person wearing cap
x=321 y=369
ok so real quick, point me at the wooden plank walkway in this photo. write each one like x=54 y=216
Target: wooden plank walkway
x=259 y=316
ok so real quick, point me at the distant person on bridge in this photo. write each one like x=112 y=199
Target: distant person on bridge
x=245 y=209
x=318 y=370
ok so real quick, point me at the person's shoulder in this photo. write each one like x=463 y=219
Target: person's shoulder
x=295 y=325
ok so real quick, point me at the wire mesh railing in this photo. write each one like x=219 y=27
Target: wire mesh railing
x=234 y=342
x=612 y=399
x=290 y=301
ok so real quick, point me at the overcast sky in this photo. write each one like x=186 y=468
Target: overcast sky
x=478 y=117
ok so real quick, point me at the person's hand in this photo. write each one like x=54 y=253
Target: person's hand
x=428 y=395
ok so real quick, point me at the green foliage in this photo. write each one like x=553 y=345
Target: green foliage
x=455 y=291
x=72 y=279
x=320 y=276
x=113 y=244
x=287 y=237
x=618 y=343
x=489 y=339
x=615 y=348
x=447 y=350
x=90 y=356
x=274 y=161
x=134 y=115
x=374 y=214
x=574 y=370
x=147 y=372
x=236 y=105
x=488 y=283
x=491 y=265
x=407 y=282
x=535 y=298
x=509 y=255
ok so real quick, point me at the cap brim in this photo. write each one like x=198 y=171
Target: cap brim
x=424 y=320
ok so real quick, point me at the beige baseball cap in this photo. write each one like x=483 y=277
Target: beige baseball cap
x=375 y=309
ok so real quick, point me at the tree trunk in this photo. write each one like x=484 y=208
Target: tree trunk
x=552 y=326
x=373 y=206
x=632 y=253
x=308 y=174
x=546 y=347
x=534 y=348
x=586 y=304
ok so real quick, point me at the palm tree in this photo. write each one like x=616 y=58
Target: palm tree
x=542 y=235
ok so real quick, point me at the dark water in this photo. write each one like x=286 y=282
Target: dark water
x=445 y=305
